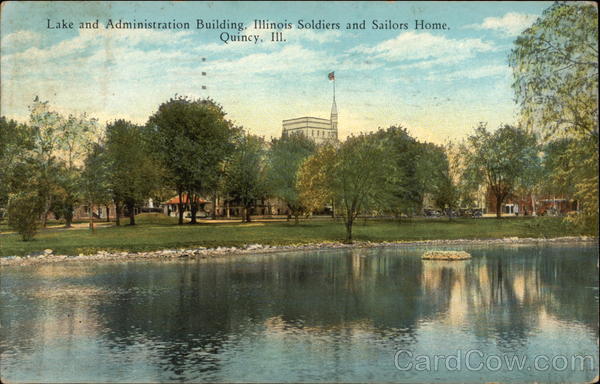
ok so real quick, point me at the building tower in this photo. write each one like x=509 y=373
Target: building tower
x=334 y=118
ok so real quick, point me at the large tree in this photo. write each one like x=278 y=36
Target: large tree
x=500 y=159
x=284 y=159
x=406 y=180
x=191 y=139
x=45 y=127
x=132 y=174
x=555 y=69
x=74 y=135
x=355 y=176
x=245 y=171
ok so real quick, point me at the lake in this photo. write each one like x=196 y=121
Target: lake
x=510 y=314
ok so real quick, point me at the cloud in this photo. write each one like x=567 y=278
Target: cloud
x=511 y=24
x=96 y=39
x=292 y=58
x=19 y=39
x=429 y=49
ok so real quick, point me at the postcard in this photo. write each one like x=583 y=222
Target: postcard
x=347 y=191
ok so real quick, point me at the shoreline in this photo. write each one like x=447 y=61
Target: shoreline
x=48 y=256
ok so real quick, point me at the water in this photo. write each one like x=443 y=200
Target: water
x=332 y=316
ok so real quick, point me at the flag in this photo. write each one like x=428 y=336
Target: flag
x=331 y=76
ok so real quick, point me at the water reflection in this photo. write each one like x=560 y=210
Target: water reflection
x=326 y=316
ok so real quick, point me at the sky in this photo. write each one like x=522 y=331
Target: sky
x=438 y=83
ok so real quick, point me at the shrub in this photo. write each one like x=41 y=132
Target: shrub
x=24 y=209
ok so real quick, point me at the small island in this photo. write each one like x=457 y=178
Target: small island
x=446 y=255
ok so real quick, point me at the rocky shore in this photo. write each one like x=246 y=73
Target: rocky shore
x=49 y=256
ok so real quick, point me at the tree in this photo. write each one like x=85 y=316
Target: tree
x=191 y=139
x=11 y=145
x=45 y=125
x=500 y=159
x=466 y=187
x=74 y=135
x=24 y=208
x=313 y=177
x=94 y=179
x=284 y=159
x=132 y=173
x=355 y=177
x=245 y=172
x=443 y=187
x=408 y=180
x=555 y=71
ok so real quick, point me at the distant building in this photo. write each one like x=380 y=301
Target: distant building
x=318 y=129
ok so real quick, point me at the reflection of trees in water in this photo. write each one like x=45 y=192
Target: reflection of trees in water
x=48 y=304
x=189 y=313
x=507 y=295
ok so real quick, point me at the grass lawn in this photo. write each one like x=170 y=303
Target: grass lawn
x=159 y=232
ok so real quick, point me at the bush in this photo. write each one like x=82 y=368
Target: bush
x=24 y=209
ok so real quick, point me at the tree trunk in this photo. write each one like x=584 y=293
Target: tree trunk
x=180 y=208
x=349 y=230
x=45 y=218
x=68 y=216
x=499 y=206
x=227 y=209
x=92 y=217
x=244 y=211
x=193 y=207
x=107 y=214
x=213 y=211
x=118 y=212
x=131 y=208
x=296 y=219
x=533 y=211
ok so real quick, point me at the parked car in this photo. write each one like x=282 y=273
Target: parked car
x=431 y=212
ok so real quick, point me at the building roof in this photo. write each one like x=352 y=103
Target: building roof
x=175 y=200
x=308 y=117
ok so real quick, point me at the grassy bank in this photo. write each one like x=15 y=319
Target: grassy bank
x=154 y=233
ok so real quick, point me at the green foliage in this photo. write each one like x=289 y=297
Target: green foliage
x=584 y=171
x=24 y=209
x=94 y=178
x=420 y=170
x=313 y=178
x=191 y=139
x=132 y=175
x=408 y=180
x=555 y=68
x=75 y=135
x=500 y=159
x=45 y=125
x=355 y=176
x=246 y=173
x=12 y=143
x=284 y=160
